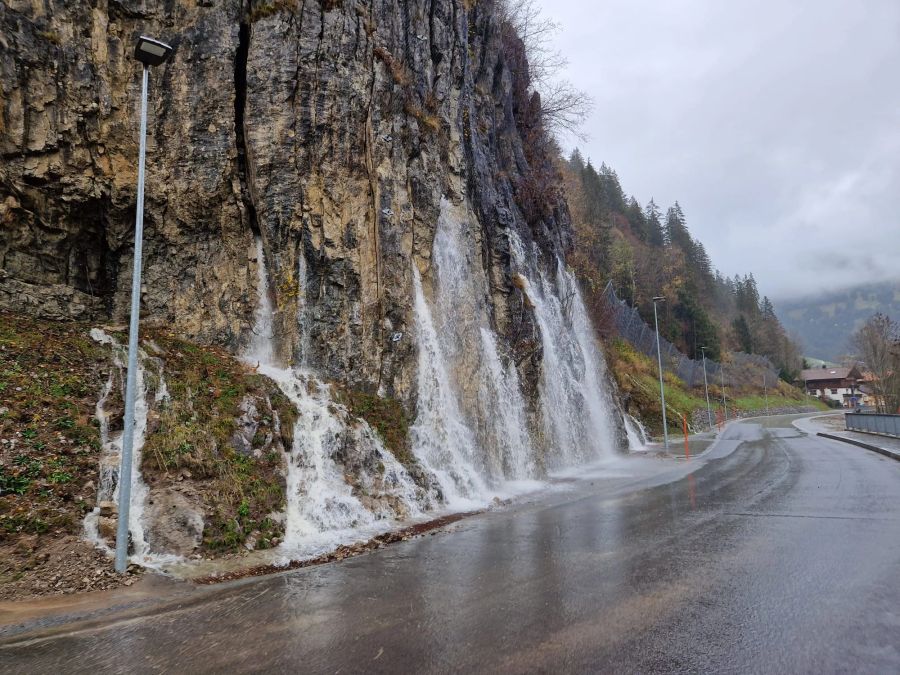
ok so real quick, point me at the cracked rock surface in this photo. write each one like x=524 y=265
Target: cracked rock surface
x=332 y=130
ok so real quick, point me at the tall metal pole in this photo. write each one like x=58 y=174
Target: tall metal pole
x=662 y=390
x=706 y=387
x=125 y=469
x=724 y=404
x=766 y=392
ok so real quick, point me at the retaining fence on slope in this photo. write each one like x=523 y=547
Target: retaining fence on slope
x=873 y=423
x=629 y=325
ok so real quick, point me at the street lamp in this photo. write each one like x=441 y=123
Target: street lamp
x=706 y=387
x=149 y=52
x=662 y=391
x=724 y=404
x=766 y=392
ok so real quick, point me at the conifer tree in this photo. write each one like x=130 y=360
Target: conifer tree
x=653 y=215
x=742 y=334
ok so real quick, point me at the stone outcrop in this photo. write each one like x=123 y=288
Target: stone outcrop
x=330 y=129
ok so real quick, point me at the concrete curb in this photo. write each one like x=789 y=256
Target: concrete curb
x=873 y=448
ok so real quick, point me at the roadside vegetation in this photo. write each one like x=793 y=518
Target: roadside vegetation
x=637 y=377
x=386 y=416
x=219 y=435
x=877 y=343
x=50 y=376
x=196 y=435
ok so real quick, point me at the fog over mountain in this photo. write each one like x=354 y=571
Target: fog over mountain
x=776 y=126
x=825 y=323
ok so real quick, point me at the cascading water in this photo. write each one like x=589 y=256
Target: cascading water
x=637 y=436
x=471 y=427
x=110 y=457
x=261 y=347
x=442 y=441
x=501 y=386
x=322 y=509
x=576 y=407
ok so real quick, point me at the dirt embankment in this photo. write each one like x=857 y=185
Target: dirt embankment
x=213 y=455
x=214 y=452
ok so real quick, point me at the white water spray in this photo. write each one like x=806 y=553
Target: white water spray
x=471 y=426
x=637 y=435
x=110 y=457
x=262 y=336
x=323 y=509
x=576 y=407
x=501 y=386
x=442 y=441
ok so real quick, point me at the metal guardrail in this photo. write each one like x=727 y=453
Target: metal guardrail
x=873 y=423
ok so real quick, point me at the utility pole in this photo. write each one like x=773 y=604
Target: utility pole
x=706 y=387
x=662 y=390
x=149 y=52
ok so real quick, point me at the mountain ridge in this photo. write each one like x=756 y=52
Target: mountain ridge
x=825 y=323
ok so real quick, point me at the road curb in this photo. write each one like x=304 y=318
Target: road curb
x=867 y=446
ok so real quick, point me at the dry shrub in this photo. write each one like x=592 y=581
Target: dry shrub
x=399 y=72
x=429 y=120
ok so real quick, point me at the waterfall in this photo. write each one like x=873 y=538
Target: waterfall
x=323 y=509
x=576 y=407
x=501 y=386
x=637 y=435
x=108 y=472
x=261 y=347
x=111 y=452
x=471 y=426
x=442 y=441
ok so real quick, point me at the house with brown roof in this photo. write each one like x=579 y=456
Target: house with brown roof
x=838 y=384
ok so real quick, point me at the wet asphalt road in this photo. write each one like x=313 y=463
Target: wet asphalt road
x=778 y=552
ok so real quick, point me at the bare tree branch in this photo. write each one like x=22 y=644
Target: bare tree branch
x=564 y=108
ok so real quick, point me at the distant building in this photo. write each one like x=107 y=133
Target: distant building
x=838 y=384
x=867 y=389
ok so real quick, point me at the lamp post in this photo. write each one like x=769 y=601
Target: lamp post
x=706 y=387
x=724 y=404
x=766 y=392
x=149 y=52
x=662 y=391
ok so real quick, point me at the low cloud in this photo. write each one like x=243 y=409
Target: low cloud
x=775 y=125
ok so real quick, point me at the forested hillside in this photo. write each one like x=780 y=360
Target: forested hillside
x=646 y=253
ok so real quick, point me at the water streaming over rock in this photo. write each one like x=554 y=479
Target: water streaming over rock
x=503 y=407
x=471 y=426
x=111 y=453
x=262 y=336
x=577 y=409
x=441 y=438
x=637 y=435
x=323 y=508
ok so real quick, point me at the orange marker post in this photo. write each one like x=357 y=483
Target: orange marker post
x=687 y=449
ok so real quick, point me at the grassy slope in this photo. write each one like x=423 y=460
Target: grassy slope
x=636 y=375
x=192 y=439
x=51 y=376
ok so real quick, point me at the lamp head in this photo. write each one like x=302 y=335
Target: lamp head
x=659 y=298
x=151 y=52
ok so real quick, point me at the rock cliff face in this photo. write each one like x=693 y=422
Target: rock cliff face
x=331 y=129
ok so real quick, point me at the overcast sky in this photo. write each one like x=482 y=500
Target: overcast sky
x=776 y=125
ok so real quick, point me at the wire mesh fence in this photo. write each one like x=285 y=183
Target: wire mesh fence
x=742 y=368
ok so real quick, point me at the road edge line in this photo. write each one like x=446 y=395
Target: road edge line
x=850 y=441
